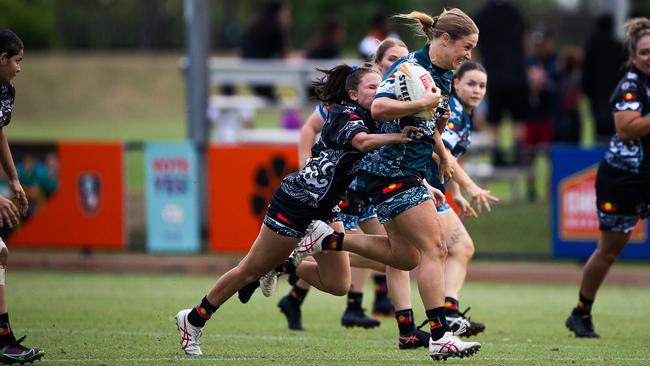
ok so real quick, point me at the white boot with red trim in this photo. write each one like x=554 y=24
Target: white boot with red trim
x=451 y=346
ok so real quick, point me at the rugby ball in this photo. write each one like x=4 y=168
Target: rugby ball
x=411 y=83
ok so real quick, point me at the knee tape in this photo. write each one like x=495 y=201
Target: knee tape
x=2 y=276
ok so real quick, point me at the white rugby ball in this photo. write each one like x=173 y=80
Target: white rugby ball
x=411 y=83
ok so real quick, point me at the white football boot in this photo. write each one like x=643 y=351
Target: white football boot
x=458 y=325
x=312 y=242
x=190 y=335
x=451 y=346
x=269 y=282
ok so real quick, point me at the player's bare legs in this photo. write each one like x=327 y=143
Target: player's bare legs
x=609 y=247
x=460 y=251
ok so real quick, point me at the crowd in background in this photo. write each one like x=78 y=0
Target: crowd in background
x=532 y=80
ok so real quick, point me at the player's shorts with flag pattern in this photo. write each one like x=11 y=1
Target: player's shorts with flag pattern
x=622 y=198
x=356 y=208
x=394 y=195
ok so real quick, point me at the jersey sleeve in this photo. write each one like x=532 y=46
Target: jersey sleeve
x=451 y=135
x=628 y=95
x=387 y=87
x=321 y=111
x=351 y=125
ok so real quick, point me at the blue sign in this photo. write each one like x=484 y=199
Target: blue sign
x=172 y=197
x=574 y=216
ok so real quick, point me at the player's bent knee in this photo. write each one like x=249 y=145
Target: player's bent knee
x=465 y=248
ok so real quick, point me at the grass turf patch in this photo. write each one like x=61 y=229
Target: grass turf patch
x=127 y=319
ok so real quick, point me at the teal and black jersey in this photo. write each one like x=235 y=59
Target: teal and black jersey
x=410 y=158
x=457 y=135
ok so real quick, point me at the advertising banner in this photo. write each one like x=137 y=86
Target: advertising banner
x=575 y=218
x=172 y=197
x=241 y=181
x=76 y=195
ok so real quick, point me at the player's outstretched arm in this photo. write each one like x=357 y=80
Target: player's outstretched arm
x=366 y=142
x=465 y=207
x=483 y=198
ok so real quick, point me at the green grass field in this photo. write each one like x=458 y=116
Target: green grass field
x=125 y=319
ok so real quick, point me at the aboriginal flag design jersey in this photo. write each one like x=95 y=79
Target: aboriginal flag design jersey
x=631 y=94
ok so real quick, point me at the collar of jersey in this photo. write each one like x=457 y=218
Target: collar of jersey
x=422 y=55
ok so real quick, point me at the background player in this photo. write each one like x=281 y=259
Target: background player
x=11 y=54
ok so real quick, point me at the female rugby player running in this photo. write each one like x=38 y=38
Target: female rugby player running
x=393 y=175
x=356 y=213
x=309 y=194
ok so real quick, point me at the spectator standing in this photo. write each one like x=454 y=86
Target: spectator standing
x=604 y=58
x=502 y=49
x=568 y=123
x=266 y=38
x=381 y=28
x=327 y=42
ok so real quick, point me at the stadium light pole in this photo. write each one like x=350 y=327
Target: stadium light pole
x=198 y=45
x=197 y=38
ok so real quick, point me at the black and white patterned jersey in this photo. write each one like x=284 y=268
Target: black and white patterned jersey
x=334 y=163
x=631 y=94
x=7 y=97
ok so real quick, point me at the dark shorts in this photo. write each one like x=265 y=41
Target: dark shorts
x=356 y=208
x=289 y=217
x=394 y=195
x=622 y=198
x=503 y=99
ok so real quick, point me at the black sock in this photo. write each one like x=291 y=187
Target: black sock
x=451 y=306
x=6 y=334
x=298 y=294
x=584 y=305
x=381 y=288
x=201 y=313
x=405 y=321
x=437 y=322
x=354 y=300
x=333 y=241
x=287 y=267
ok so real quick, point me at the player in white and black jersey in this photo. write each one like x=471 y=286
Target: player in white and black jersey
x=309 y=194
x=358 y=216
x=11 y=54
x=623 y=178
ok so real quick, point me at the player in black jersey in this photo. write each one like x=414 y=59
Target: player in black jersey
x=309 y=194
x=358 y=216
x=11 y=54
x=623 y=178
